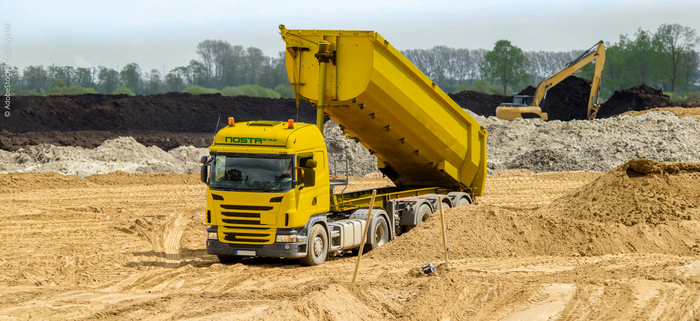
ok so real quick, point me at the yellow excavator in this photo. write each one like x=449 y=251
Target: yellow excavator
x=525 y=106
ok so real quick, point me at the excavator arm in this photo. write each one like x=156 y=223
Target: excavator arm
x=599 y=56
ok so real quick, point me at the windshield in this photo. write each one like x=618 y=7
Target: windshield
x=252 y=173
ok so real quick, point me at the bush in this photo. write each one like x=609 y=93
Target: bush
x=249 y=90
x=123 y=91
x=693 y=96
x=199 y=90
x=30 y=92
x=77 y=90
x=231 y=91
x=285 y=91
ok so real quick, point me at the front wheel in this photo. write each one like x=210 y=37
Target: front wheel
x=318 y=247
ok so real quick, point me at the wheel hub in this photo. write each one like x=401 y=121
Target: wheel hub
x=318 y=246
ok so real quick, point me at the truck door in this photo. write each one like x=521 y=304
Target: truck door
x=308 y=196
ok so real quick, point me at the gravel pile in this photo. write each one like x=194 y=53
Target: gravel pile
x=120 y=154
x=598 y=145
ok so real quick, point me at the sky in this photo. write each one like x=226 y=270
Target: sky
x=164 y=34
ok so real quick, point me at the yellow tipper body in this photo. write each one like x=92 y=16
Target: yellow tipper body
x=420 y=136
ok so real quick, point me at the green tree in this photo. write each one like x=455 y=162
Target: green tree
x=108 y=79
x=674 y=41
x=131 y=77
x=505 y=64
x=57 y=87
x=35 y=77
x=642 y=54
x=152 y=82
x=175 y=79
x=85 y=77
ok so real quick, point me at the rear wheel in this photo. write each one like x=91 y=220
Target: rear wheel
x=317 y=248
x=463 y=201
x=229 y=259
x=446 y=206
x=380 y=235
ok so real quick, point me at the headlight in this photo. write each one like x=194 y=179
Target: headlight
x=287 y=238
x=212 y=236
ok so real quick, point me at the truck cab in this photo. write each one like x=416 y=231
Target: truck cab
x=266 y=181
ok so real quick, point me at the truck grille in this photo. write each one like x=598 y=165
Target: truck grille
x=248 y=224
x=246 y=237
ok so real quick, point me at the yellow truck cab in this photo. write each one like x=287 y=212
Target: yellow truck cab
x=268 y=180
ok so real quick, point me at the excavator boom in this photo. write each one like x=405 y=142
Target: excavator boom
x=587 y=57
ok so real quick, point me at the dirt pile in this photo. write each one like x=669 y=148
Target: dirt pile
x=637 y=98
x=480 y=103
x=566 y=101
x=171 y=112
x=639 y=191
x=120 y=154
x=91 y=139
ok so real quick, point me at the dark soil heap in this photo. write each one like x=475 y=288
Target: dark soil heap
x=170 y=113
x=480 y=103
x=567 y=100
x=637 y=98
x=640 y=191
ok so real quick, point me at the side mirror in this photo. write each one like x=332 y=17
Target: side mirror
x=204 y=159
x=309 y=176
x=204 y=173
x=310 y=163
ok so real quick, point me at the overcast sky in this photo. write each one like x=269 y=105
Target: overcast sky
x=164 y=34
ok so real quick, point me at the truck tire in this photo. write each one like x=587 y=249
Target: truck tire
x=229 y=259
x=424 y=213
x=317 y=247
x=463 y=201
x=446 y=206
x=380 y=235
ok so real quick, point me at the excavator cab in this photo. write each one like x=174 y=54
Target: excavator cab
x=524 y=100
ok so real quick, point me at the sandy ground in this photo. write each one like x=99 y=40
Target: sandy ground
x=678 y=111
x=131 y=246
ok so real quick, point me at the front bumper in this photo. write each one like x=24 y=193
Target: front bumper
x=285 y=250
x=272 y=250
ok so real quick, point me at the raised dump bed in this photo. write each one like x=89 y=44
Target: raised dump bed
x=421 y=137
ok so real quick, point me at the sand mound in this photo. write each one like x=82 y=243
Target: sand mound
x=490 y=231
x=639 y=191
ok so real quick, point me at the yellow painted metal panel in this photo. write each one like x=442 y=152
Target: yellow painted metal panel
x=382 y=99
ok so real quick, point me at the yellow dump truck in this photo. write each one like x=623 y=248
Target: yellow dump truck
x=269 y=189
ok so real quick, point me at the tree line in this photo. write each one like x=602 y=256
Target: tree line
x=664 y=59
